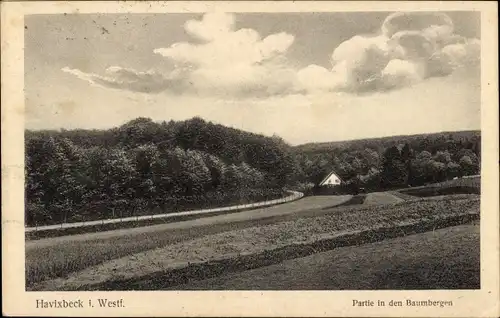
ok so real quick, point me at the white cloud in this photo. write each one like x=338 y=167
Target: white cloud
x=128 y=79
x=230 y=62
x=463 y=54
x=409 y=48
x=82 y=75
x=399 y=73
x=317 y=78
x=417 y=21
x=225 y=46
x=212 y=26
x=359 y=61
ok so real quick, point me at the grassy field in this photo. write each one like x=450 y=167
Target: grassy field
x=456 y=186
x=261 y=240
x=448 y=258
x=381 y=198
x=404 y=196
x=473 y=181
x=372 y=198
x=58 y=256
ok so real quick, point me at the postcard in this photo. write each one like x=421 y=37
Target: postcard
x=250 y=158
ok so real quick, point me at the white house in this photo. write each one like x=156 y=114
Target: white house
x=331 y=180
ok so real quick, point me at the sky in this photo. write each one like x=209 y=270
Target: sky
x=307 y=77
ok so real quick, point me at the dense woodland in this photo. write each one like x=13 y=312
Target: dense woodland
x=393 y=162
x=144 y=167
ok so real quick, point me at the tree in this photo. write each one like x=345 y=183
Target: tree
x=393 y=169
x=372 y=157
x=232 y=178
x=144 y=159
x=424 y=155
x=347 y=171
x=442 y=156
x=147 y=162
x=319 y=168
x=437 y=170
x=371 y=180
x=247 y=177
x=53 y=175
x=190 y=134
x=200 y=174
x=452 y=170
x=469 y=165
x=162 y=178
x=406 y=156
x=137 y=132
x=217 y=169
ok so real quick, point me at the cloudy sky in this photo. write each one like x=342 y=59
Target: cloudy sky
x=304 y=76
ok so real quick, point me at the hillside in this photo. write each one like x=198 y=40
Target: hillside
x=383 y=142
x=396 y=161
x=231 y=145
x=144 y=166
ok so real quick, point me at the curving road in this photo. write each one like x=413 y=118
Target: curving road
x=58 y=256
x=305 y=207
x=294 y=196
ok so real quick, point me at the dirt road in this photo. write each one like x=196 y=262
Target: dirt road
x=278 y=211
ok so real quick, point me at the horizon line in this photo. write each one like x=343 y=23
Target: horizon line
x=259 y=133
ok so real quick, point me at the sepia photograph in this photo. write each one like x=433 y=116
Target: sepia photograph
x=235 y=150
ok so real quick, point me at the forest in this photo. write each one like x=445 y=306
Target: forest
x=392 y=162
x=145 y=167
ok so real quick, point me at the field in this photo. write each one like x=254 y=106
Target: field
x=381 y=198
x=381 y=265
x=370 y=199
x=457 y=186
x=163 y=259
x=59 y=256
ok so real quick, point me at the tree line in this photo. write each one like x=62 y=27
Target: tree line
x=74 y=176
x=145 y=167
x=392 y=162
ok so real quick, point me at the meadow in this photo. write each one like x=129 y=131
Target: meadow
x=455 y=186
x=381 y=265
x=158 y=252
x=54 y=257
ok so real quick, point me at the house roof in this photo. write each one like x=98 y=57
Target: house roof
x=329 y=175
